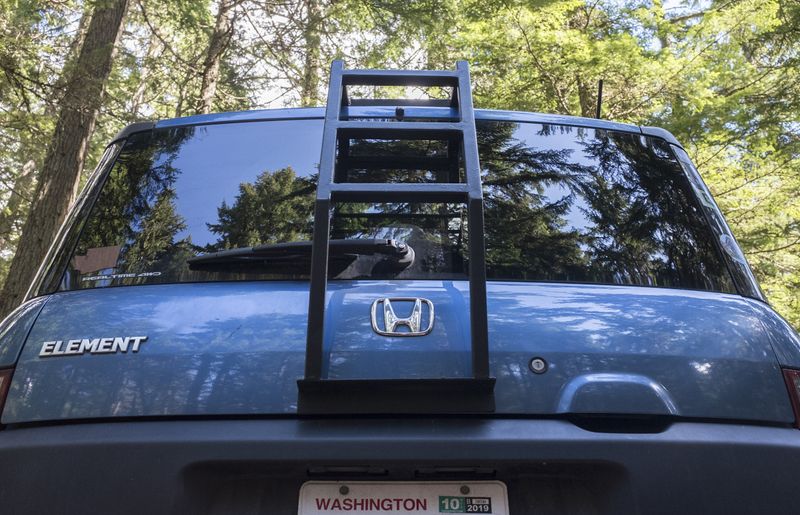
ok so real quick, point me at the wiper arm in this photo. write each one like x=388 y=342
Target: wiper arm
x=401 y=254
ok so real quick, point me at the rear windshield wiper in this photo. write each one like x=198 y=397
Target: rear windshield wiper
x=294 y=253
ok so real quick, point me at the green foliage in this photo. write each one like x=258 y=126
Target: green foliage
x=275 y=208
x=739 y=123
x=722 y=75
x=33 y=42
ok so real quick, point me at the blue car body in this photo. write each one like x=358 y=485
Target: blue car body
x=671 y=357
x=654 y=400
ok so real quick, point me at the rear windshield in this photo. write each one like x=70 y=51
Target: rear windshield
x=562 y=203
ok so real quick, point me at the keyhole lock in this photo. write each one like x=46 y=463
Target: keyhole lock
x=538 y=365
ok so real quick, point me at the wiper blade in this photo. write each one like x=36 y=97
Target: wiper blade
x=272 y=255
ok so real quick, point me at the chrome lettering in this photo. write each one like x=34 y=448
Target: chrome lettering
x=73 y=347
x=121 y=344
x=105 y=345
x=77 y=347
x=137 y=340
x=47 y=348
x=89 y=345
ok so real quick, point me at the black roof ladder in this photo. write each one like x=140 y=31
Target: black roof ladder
x=319 y=395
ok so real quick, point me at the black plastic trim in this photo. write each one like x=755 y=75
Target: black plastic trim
x=664 y=134
x=175 y=467
x=398 y=396
x=131 y=129
x=741 y=274
x=52 y=269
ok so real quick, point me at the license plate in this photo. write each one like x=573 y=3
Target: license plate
x=419 y=498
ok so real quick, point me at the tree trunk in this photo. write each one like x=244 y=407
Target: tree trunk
x=17 y=202
x=66 y=155
x=587 y=98
x=70 y=61
x=309 y=86
x=154 y=47
x=220 y=39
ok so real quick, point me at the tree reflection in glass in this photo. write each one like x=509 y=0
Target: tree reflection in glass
x=561 y=204
x=136 y=211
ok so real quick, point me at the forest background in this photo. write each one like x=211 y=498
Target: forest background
x=722 y=75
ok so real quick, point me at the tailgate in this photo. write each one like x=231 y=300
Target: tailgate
x=239 y=348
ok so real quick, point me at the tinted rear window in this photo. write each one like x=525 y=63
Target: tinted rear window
x=561 y=204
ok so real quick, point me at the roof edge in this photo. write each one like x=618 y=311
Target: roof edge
x=300 y=113
x=319 y=112
x=661 y=133
x=132 y=128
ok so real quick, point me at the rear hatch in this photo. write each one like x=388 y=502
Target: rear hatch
x=239 y=348
x=608 y=292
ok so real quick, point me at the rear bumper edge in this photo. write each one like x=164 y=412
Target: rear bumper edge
x=135 y=467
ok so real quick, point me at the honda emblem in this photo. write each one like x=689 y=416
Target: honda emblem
x=392 y=324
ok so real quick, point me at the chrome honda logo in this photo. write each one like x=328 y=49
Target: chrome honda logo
x=391 y=322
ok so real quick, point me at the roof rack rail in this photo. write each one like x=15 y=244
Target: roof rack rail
x=320 y=395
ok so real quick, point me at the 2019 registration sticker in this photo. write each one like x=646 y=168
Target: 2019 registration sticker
x=417 y=498
x=449 y=504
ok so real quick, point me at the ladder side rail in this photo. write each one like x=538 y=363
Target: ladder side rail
x=319 y=247
x=472 y=167
x=479 y=325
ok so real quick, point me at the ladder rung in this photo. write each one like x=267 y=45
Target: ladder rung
x=399 y=130
x=396 y=163
x=400 y=102
x=443 y=78
x=402 y=192
x=411 y=112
